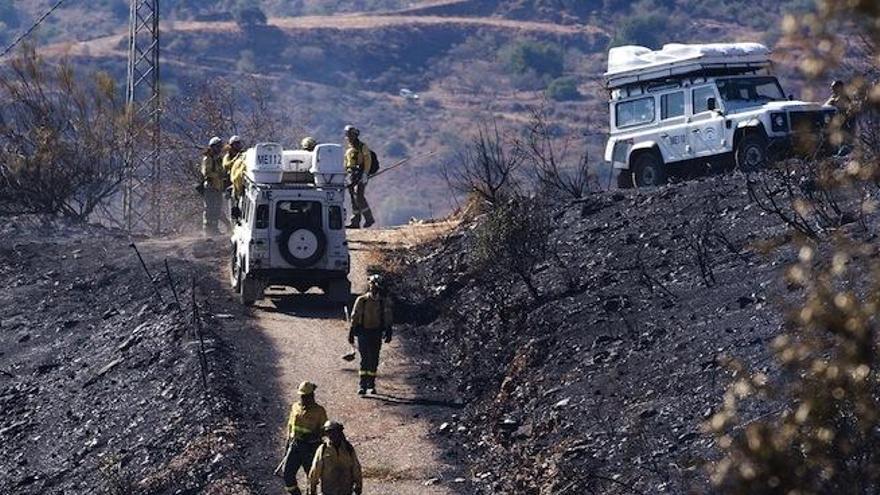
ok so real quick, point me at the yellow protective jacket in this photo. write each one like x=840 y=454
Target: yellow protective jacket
x=229 y=158
x=237 y=169
x=213 y=172
x=372 y=312
x=358 y=158
x=336 y=469
x=306 y=422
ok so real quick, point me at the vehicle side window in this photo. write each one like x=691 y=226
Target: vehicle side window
x=672 y=105
x=630 y=113
x=262 y=217
x=701 y=99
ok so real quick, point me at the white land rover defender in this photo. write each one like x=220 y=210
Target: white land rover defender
x=715 y=104
x=290 y=231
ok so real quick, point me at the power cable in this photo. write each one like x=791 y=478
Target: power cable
x=32 y=28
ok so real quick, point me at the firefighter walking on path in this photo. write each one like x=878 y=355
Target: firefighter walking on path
x=214 y=179
x=359 y=164
x=372 y=319
x=336 y=467
x=305 y=427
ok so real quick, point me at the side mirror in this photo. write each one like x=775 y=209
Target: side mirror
x=712 y=104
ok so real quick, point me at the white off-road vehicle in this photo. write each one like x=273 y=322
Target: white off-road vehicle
x=716 y=104
x=291 y=231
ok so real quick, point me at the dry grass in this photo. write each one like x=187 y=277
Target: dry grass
x=383 y=248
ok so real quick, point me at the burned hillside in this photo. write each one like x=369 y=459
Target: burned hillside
x=600 y=384
x=103 y=387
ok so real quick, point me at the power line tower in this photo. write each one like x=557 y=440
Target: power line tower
x=141 y=207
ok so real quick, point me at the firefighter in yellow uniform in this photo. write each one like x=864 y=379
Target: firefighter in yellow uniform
x=358 y=163
x=841 y=101
x=336 y=467
x=304 y=431
x=372 y=319
x=214 y=179
x=233 y=163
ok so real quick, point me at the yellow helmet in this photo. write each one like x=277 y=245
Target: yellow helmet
x=306 y=388
x=308 y=143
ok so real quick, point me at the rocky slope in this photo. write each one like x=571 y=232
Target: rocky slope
x=601 y=386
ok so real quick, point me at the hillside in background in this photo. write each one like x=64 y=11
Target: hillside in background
x=329 y=63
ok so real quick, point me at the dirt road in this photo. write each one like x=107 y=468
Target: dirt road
x=299 y=337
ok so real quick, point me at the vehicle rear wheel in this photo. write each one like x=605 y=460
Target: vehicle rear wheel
x=338 y=290
x=251 y=290
x=649 y=170
x=751 y=153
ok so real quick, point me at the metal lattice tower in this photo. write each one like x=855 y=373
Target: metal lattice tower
x=141 y=206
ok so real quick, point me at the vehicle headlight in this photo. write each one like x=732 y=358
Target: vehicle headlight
x=779 y=122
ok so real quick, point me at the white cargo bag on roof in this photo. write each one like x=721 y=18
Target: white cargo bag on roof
x=264 y=163
x=328 y=167
x=628 y=64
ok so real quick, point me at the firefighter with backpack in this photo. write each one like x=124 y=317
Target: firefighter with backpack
x=360 y=164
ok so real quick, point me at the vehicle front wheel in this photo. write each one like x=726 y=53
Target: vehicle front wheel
x=649 y=170
x=751 y=153
x=625 y=179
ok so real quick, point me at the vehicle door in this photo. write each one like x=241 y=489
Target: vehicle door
x=706 y=127
x=673 y=137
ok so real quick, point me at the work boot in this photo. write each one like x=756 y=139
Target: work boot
x=371 y=391
x=368 y=218
x=362 y=391
x=352 y=226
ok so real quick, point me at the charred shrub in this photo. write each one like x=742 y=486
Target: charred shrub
x=61 y=138
x=513 y=240
x=486 y=168
x=558 y=163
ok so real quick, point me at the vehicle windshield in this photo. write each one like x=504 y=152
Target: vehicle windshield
x=749 y=91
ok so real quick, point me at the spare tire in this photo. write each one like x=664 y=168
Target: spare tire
x=302 y=247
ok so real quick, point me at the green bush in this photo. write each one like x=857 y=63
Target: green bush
x=650 y=30
x=544 y=59
x=563 y=89
x=249 y=17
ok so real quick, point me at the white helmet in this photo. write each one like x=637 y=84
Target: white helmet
x=214 y=141
x=235 y=139
x=350 y=129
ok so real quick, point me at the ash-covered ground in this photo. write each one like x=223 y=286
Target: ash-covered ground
x=101 y=386
x=602 y=386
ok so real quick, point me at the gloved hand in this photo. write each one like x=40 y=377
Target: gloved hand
x=236 y=212
x=388 y=336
